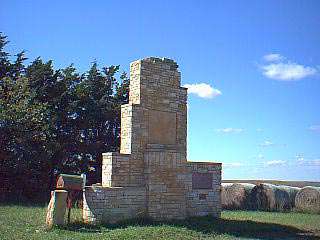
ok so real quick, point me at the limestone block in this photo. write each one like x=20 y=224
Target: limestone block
x=162 y=127
x=113 y=204
x=56 y=208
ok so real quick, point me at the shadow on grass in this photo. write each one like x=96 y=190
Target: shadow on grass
x=209 y=225
x=23 y=204
x=247 y=229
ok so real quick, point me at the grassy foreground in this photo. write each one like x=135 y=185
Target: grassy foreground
x=21 y=222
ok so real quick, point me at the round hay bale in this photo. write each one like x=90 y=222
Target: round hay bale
x=269 y=197
x=292 y=191
x=308 y=199
x=225 y=200
x=236 y=196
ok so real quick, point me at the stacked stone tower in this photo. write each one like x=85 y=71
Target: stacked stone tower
x=151 y=177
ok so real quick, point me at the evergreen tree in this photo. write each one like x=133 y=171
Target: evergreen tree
x=54 y=121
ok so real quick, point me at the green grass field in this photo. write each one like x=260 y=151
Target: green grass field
x=21 y=222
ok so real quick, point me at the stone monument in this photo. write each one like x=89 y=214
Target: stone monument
x=150 y=176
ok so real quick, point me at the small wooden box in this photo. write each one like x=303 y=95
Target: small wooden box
x=70 y=182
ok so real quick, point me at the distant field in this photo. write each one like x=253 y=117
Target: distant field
x=21 y=222
x=278 y=182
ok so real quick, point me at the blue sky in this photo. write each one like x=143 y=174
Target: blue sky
x=252 y=68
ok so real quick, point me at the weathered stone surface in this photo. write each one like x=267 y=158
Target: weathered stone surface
x=197 y=204
x=151 y=176
x=110 y=205
x=201 y=180
x=162 y=127
x=56 y=208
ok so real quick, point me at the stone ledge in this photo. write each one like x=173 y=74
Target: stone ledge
x=115 y=154
x=160 y=60
x=205 y=163
x=159 y=147
x=130 y=104
x=94 y=187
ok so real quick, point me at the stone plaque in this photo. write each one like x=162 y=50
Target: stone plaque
x=202 y=196
x=162 y=127
x=201 y=180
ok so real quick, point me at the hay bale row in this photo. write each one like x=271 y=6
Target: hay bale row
x=236 y=195
x=265 y=197
x=269 y=197
x=308 y=200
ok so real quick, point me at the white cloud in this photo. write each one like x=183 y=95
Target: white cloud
x=260 y=156
x=271 y=144
x=229 y=130
x=273 y=57
x=203 y=90
x=275 y=163
x=315 y=162
x=300 y=159
x=308 y=162
x=266 y=144
x=279 y=68
x=287 y=71
x=315 y=128
x=232 y=165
